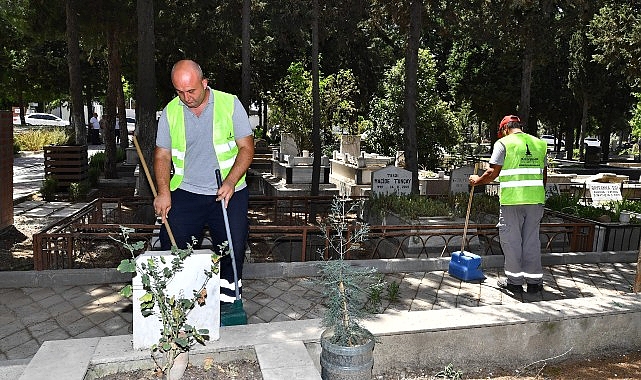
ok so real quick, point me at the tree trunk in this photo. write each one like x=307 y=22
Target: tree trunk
x=584 y=123
x=411 y=84
x=113 y=66
x=146 y=88
x=75 y=77
x=246 y=56
x=526 y=84
x=315 y=190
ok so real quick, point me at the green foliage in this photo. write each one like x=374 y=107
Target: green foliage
x=176 y=336
x=121 y=155
x=635 y=122
x=36 y=138
x=393 y=291
x=48 y=189
x=350 y=292
x=291 y=106
x=436 y=125
x=571 y=204
x=449 y=373
x=615 y=31
x=409 y=207
x=481 y=204
x=79 y=190
x=93 y=174
x=97 y=160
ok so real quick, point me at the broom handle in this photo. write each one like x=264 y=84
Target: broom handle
x=153 y=187
x=219 y=180
x=467 y=216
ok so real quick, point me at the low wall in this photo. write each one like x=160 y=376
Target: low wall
x=486 y=337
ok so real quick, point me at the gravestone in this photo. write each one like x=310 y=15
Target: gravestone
x=551 y=189
x=392 y=180
x=351 y=144
x=146 y=330
x=399 y=160
x=288 y=146
x=604 y=192
x=460 y=179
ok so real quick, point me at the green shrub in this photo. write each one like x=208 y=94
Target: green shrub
x=571 y=204
x=79 y=190
x=97 y=160
x=93 y=174
x=481 y=204
x=121 y=156
x=48 y=189
x=36 y=138
x=411 y=206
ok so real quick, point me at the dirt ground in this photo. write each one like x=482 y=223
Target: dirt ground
x=619 y=366
x=604 y=367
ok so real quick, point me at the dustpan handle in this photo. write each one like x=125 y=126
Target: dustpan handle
x=231 y=246
x=469 y=206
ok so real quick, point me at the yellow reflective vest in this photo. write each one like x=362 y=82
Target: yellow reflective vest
x=224 y=141
x=521 y=176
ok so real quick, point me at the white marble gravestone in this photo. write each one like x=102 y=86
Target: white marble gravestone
x=351 y=144
x=146 y=330
x=392 y=180
x=460 y=179
x=288 y=146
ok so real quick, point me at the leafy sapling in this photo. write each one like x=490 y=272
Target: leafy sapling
x=177 y=335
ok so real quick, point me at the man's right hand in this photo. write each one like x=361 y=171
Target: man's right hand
x=162 y=205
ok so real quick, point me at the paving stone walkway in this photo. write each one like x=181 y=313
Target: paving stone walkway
x=30 y=316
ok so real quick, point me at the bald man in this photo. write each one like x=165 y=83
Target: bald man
x=199 y=131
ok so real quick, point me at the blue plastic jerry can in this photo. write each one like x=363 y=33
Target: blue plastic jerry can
x=466 y=266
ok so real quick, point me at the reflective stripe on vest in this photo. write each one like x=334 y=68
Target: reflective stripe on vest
x=223 y=136
x=521 y=175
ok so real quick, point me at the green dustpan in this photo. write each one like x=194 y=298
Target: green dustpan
x=231 y=314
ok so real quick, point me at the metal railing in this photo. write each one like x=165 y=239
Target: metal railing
x=87 y=238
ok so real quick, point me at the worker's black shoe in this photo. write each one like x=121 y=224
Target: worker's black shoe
x=503 y=284
x=534 y=288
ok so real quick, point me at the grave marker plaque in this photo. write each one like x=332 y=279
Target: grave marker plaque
x=603 y=192
x=392 y=180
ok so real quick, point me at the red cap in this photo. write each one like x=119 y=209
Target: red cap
x=508 y=119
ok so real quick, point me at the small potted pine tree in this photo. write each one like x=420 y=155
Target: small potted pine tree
x=347 y=347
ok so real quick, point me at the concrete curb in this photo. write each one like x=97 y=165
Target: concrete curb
x=75 y=277
x=509 y=336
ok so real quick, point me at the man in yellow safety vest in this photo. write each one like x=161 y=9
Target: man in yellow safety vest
x=199 y=131
x=519 y=161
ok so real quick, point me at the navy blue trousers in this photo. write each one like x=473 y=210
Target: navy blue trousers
x=190 y=213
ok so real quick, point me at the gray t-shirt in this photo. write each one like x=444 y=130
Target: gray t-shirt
x=200 y=157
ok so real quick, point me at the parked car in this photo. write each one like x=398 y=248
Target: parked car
x=45 y=119
x=592 y=141
x=549 y=139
